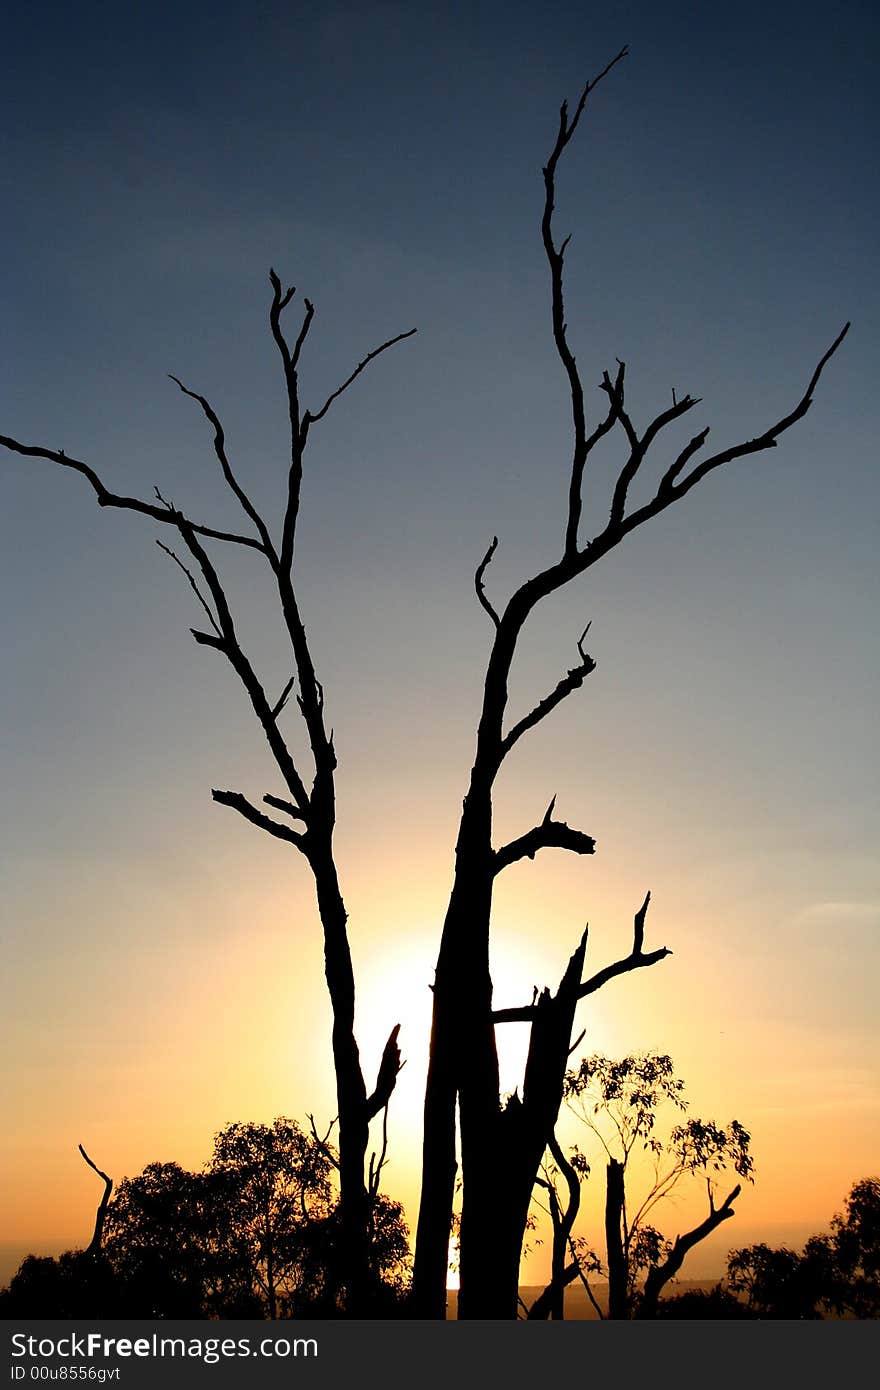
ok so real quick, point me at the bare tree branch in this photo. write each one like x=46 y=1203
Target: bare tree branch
x=550 y=1302
x=639 y=446
x=94 y=1245
x=549 y=834
x=245 y=808
x=106 y=498
x=659 y=1275
x=572 y=1182
x=220 y=450
x=670 y=491
x=280 y=300
x=311 y=419
x=573 y=680
x=389 y=1067
x=207 y=639
x=636 y=960
x=231 y=647
x=478 y=581
x=281 y=805
x=283 y=698
x=555 y=261
x=322 y=1142
x=692 y=447
x=375 y=1171
x=193 y=585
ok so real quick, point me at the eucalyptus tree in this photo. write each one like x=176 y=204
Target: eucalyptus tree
x=618 y=1102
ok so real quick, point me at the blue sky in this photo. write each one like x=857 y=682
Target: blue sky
x=386 y=159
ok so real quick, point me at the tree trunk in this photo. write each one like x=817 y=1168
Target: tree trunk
x=463 y=1064
x=618 y=1294
x=351 y=1096
x=501 y=1150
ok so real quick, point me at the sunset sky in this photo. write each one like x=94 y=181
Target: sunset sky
x=162 y=959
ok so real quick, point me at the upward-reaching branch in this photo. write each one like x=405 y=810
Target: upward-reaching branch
x=637 y=959
x=555 y=258
x=478 y=581
x=231 y=647
x=311 y=418
x=767 y=440
x=220 y=450
x=280 y=300
x=639 y=445
x=94 y=1245
x=659 y=1275
x=571 y=681
x=389 y=1067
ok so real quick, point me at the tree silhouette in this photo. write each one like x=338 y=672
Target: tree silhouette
x=75 y=1285
x=836 y=1274
x=257 y=1233
x=169 y=1242
x=855 y=1246
x=313 y=808
x=78 y=1284
x=571 y=1256
x=502 y=1146
x=279 y=1185
x=618 y=1102
x=94 y=1246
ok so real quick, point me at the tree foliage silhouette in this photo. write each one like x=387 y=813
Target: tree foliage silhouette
x=618 y=1102
x=170 y=1243
x=837 y=1274
x=279 y=1185
x=256 y=1233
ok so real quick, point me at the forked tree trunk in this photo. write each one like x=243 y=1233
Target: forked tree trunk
x=501 y=1149
x=463 y=1059
x=462 y=1046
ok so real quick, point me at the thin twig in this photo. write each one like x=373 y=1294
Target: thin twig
x=478 y=581
x=193 y=585
x=312 y=418
x=220 y=450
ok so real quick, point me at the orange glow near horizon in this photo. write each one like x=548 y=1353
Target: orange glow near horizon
x=170 y=1059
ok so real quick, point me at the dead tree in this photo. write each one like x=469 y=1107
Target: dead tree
x=501 y=1149
x=94 y=1246
x=307 y=813
x=660 y=1274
